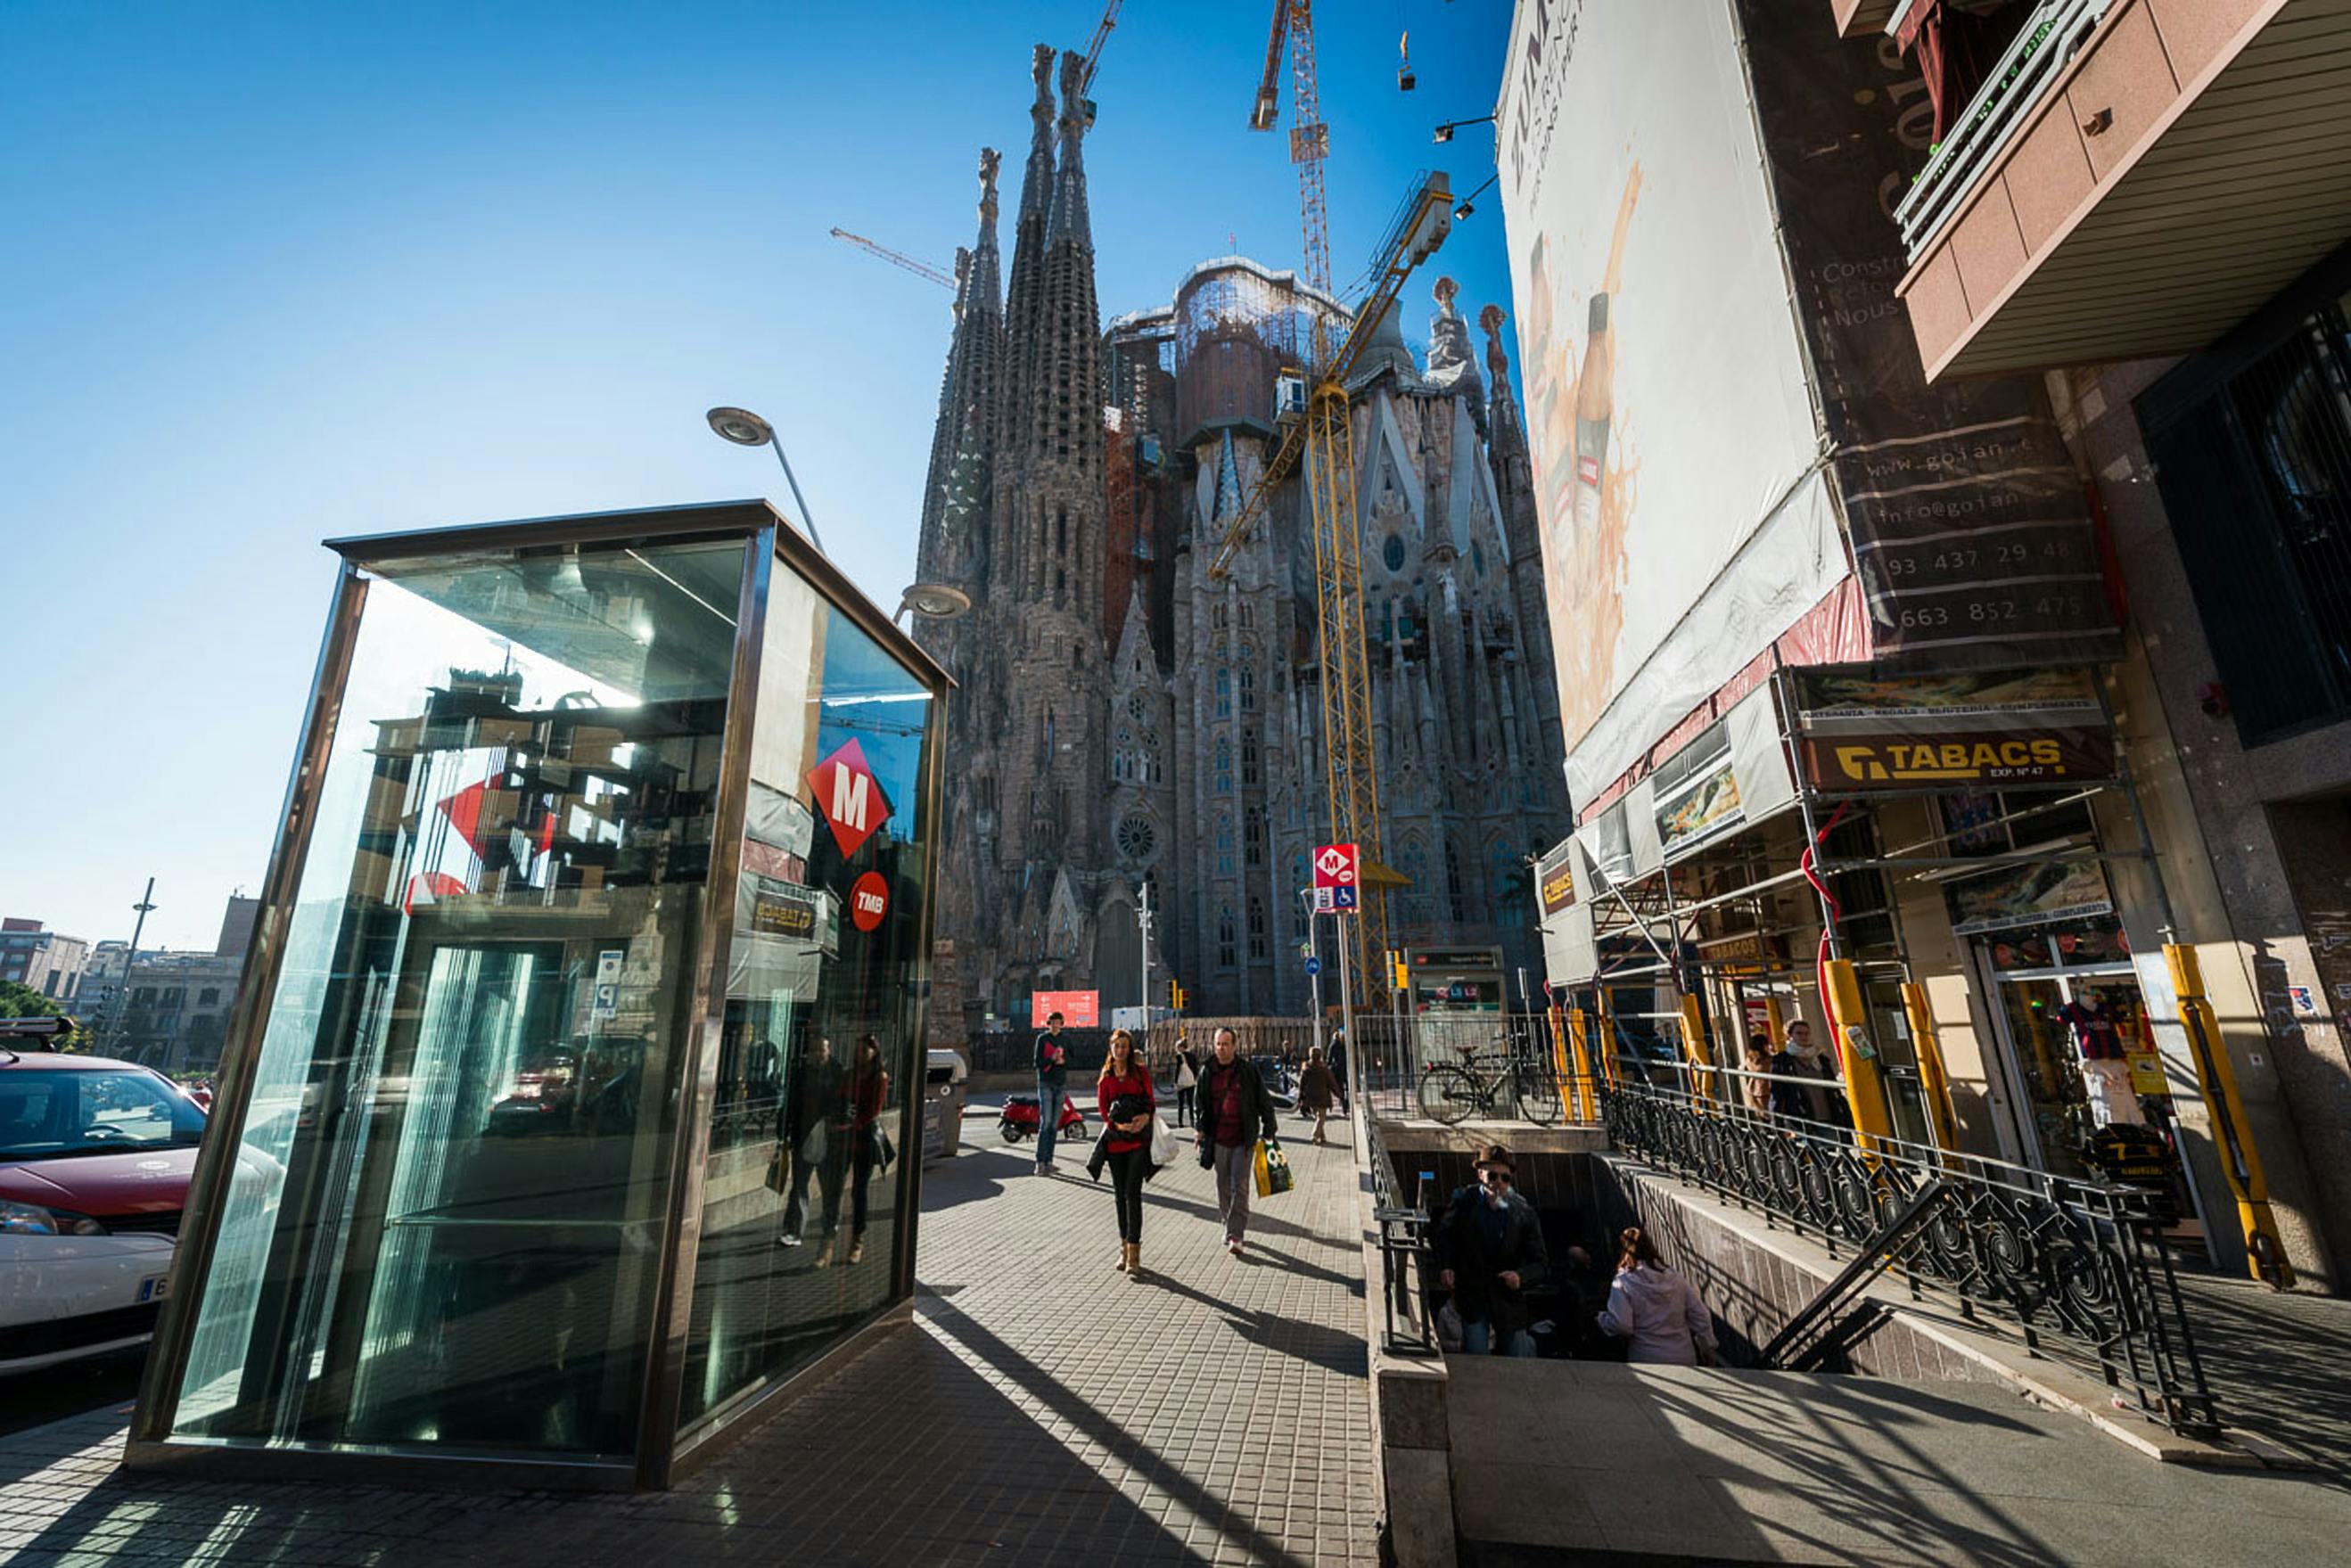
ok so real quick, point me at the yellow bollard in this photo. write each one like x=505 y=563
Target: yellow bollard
x=1579 y=1032
x=1849 y=1023
x=2240 y=1162
x=1701 y=1054
x=1939 y=1110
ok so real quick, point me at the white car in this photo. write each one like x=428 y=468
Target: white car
x=95 y=1158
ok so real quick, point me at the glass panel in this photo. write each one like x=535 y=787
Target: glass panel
x=446 y=1224
x=799 y=1220
x=2044 y=1062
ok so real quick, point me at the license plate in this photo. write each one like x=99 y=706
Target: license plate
x=154 y=1288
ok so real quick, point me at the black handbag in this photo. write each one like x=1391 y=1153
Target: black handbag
x=883 y=1151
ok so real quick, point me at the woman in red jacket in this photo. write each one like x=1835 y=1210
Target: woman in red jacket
x=854 y=1124
x=1123 y=1094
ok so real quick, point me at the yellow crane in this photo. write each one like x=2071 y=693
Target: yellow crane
x=1314 y=428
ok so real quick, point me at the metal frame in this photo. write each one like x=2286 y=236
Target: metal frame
x=660 y=1459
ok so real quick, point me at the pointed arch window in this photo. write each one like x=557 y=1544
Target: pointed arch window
x=1224 y=844
x=1508 y=885
x=1253 y=835
x=1256 y=933
x=1455 y=901
x=1224 y=766
x=1224 y=693
x=1246 y=616
x=1226 y=957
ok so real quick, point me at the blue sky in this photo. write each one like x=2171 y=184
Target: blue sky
x=281 y=272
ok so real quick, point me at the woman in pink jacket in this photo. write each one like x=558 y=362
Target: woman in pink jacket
x=1656 y=1309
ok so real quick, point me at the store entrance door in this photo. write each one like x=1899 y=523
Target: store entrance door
x=2035 y=979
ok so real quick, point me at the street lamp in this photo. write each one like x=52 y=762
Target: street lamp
x=743 y=428
x=1464 y=209
x=1444 y=131
x=933 y=601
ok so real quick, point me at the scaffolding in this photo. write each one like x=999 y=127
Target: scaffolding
x=1237 y=326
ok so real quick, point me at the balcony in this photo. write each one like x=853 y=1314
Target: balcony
x=2134 y=178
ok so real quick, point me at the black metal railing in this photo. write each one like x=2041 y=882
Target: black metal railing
x=1403 y=1223
x=2079 y=1267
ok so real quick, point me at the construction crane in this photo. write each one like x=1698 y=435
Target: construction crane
x=1311 y=419
x=1094 y=49
x=898 y=258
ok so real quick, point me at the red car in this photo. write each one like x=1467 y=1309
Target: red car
x=95 y=1156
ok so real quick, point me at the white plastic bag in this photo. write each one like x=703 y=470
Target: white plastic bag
x=1163 y=1142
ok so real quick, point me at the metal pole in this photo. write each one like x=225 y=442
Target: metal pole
x=1143 y=924
x=1314 y=950
x=1347 y=1020
x=129 y=961
x=799 y=500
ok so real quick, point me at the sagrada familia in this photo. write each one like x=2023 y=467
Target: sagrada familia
x=1125 y=722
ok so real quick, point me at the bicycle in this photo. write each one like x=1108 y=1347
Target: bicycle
x=1451 y=1092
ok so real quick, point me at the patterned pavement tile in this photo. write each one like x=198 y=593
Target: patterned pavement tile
x=1045 y=1409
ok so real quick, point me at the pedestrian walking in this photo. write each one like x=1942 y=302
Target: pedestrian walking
x=1756 y=1088
x=1318 y=1090
x=1819 y=1062
x=1789 y=1100
x=1490 y=1245
x=1052 y=1088
x=1234 y=1113
x=803 y=1124
x=1656 y=1309
x=1187 y=1081
x=856 y=1128
x=1122 y=1094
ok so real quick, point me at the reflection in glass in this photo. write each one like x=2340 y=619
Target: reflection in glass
x=800 y=1214
x=453 y=1169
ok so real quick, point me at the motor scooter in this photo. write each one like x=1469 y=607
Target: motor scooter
x=1021 y=1118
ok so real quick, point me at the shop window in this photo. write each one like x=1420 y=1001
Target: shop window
x=2252 y=449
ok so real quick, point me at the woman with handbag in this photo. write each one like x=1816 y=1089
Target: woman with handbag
x=1187 y=1081
x=1128 y=1109
x=857 y=1129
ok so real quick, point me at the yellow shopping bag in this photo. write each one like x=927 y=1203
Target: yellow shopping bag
x=1272 y=1170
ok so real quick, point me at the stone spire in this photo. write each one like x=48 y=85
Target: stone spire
x=952 y=545
x=1023 y=299
x=1450 y=366
x=1069 y=222
x=1514 y=491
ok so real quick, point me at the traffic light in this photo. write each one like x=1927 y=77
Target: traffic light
x=1399 y=973
x=1176 y=995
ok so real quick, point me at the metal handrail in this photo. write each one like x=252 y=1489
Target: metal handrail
x=2078 y=1266
x=1995 y=115
x=1408 y=1330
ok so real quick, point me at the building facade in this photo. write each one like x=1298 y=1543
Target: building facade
x=41 y=959
x=1130 y=726
x=173 y=1011
x=1962 y=595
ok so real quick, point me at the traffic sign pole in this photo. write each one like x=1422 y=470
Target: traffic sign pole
x=1347 y=1023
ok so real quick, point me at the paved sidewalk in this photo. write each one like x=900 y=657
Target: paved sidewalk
x=1045 y=1410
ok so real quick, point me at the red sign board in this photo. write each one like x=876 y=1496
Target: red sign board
x=869 y=901
x=1079 y=1009
x=1334 y=865
x=848 y=795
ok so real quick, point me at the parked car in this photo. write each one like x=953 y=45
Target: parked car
x=95 y=1156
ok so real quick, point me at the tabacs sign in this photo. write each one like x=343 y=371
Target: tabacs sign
x=2045 y=727
x=1555 y=878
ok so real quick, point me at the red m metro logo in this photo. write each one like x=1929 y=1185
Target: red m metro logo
x=850 y=797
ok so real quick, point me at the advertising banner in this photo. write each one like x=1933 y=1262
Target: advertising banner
x=1857 y=732
x=1685 y=510
x=1079 y=1009
x=2021 y=895
x=1968 y=522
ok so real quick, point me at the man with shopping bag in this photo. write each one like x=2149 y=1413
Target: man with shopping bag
x=1234 y=1112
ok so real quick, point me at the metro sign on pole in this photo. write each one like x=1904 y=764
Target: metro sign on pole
x=1336 y=884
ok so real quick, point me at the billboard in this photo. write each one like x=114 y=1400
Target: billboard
x=1686 y=516
x=1970 y=729
x=1969 y=525
x=1079 y=1009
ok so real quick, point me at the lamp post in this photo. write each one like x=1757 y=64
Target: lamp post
x=743 y=428
x=1444 y=131
x=129 y=961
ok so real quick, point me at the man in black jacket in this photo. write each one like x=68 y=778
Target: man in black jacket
x=1234 y=1112
x=1052 y=1088
x=1489 y=1254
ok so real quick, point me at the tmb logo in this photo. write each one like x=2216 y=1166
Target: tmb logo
x=849 y=795
x=869 y=901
